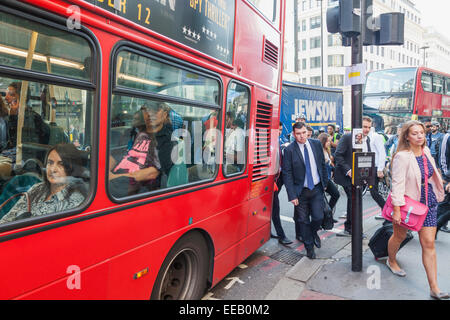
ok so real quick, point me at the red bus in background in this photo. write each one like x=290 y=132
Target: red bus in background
x=124 y=170
x=393 y=96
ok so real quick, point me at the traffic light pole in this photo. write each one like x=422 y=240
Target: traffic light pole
x=354 y=20
x=357 y=250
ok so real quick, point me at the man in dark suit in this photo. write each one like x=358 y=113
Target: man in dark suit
x=343 y=174
x=276 y=201
x=305 y=177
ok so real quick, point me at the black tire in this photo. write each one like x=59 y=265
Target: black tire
x=184 y=272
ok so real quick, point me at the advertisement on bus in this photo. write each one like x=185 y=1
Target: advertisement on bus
x=319 y=105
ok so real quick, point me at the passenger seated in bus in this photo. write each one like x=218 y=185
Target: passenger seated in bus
x=5 y=162
x=235 y=147
x=145 y=170
x=160 y=125
x=34 y=129
x=63 y=187
x=126 y=177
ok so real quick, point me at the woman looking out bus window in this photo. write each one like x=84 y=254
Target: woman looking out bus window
x=62 y=189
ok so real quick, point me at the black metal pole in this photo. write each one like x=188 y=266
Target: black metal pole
x=296 y=46
x=321 y=41
x=356 y=190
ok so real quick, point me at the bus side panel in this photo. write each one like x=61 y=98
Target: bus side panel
x=260 y=212
x=250 y=33
x=226 y=262
x=225 y=228
x=78 y=284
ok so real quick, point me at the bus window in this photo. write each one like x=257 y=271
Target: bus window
x=54 y=51
x=426 y=81
x=438 y=84
x=44 y=128
x=447 y=86
x=150 y=75
x=161 y=143
x=236 y=125
x=267 y=7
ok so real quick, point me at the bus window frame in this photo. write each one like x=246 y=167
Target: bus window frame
x=246 y=133
x=114 y=89
x=27 y=12
x=276 y=7
x=442 y=78
x=428 y=74
x=447 y=86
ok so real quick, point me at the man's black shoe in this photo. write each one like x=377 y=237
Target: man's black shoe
x=284 y=241
x=445 y=229
x=310 y=253
x=317 y=241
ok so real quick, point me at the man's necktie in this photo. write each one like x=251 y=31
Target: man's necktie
x=309 y=178
x=368 y=144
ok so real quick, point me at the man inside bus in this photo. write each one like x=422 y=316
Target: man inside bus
x=34 y=129
x=142 y=168
x=235 y=147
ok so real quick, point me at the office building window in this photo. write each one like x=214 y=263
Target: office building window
x=335 y=80
x=315 y=62
x=316 y=81
x=335 y=40
x=336 y=60
x=315 y=42
x=315 y=22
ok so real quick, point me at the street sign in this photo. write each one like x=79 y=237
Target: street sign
x=355 y=74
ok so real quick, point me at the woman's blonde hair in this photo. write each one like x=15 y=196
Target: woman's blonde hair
x=403 y=143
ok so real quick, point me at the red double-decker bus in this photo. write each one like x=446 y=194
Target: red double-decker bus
x=135 y=147
x=393 y=96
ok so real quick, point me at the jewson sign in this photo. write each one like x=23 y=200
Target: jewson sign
x=320 y=105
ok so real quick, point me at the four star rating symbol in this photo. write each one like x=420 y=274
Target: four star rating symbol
x=223 y=50
x=187 y=31
x=209 y=33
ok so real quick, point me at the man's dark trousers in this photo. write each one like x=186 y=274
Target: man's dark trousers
x=376 y=195
x=276 y=209
x=309 y=213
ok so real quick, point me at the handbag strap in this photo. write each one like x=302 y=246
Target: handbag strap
x=425 y=167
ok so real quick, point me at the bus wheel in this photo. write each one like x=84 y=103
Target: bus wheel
x=184 y=272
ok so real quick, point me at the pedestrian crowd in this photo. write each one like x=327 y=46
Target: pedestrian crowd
x=413 y=163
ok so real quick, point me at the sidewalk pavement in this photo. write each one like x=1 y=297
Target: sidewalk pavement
x=329 y=276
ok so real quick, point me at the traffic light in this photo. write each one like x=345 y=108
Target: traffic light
x=350 y=19
x=369 y=24
x=392 y=29
x=345 y=18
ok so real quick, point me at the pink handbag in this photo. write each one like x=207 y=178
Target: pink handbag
x=413 y=213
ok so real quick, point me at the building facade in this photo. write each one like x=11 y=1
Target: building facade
x=321 y=58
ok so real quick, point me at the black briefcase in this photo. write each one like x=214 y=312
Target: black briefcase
x=327 y=222
x=443 y=212
x=379 y=241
